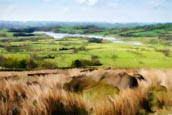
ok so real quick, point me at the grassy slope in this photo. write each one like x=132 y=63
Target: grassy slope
x=140 y=31
x=149 y=55
x=109 y=54
x=144 y=31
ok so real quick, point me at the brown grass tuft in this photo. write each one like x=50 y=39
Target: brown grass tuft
x=42 y=94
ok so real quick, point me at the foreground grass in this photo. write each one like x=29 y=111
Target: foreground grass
x=44 y=93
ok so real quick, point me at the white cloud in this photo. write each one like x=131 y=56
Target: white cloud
x=88 y=2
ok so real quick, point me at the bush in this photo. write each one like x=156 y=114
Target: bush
x=61 y=49
x=22 y=63
x=13 y=63
x=25 y=63
x=95 y=40
x=49 y=56
x=85 y=63
x=31 y=64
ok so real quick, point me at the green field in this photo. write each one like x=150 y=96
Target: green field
x=41 y=51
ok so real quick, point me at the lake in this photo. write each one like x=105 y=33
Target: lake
x=62 y=35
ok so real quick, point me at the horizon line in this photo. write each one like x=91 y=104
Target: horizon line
x=58 y=21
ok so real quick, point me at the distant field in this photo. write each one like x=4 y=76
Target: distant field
x=47 y=52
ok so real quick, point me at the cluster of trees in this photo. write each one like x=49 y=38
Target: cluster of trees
x=90 y=29
x=16 y=63
x=25 y=30
x=87 y=29
x=22 y=31
x=22 y=34
x=24 y=63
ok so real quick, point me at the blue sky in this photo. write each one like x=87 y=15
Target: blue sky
x=87 y=10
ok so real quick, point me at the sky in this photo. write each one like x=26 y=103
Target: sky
x=87 y=10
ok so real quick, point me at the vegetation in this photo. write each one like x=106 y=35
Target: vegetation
x=95 y=40
x=25 y=52
x=151 y=30
x=146 y=31
x=95 y=92
x=94 y=84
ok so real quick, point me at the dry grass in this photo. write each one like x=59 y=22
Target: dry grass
x=44 y=97
x=128 y=102
x=43 y=94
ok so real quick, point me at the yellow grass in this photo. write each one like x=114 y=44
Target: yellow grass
x=21 y=94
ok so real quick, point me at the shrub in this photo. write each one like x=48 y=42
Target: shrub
x=10 y=62
x=22 y=63
x=61 y=49
x=85 y=63
x=49 y=56
x=25 y=63
x=76 y=63
x=95 y=40
x=31 y=64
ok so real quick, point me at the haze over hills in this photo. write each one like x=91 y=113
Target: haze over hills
x=19 y=24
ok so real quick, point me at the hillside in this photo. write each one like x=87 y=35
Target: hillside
x=146 y=31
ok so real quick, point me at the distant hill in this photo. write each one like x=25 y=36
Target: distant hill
x=121 y=29
x=145 y=31
x=19 y=24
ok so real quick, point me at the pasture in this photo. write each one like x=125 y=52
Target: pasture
x=41 y=51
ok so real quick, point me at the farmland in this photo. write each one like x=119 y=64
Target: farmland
x=41 y=75
x=46 y=52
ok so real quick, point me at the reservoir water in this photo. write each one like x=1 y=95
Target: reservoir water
x=62 y=35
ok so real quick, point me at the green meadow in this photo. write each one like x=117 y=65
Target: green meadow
x=41 y=51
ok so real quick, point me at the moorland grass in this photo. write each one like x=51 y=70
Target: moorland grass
x=21 y=94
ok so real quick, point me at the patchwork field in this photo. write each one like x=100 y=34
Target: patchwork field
x=41 y=51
